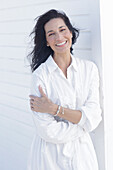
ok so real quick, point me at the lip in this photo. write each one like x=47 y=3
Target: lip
x=61 y=44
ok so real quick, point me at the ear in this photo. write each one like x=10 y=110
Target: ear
x=71 y=35
x=47 y=44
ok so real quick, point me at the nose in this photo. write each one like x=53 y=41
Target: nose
x=58 y=37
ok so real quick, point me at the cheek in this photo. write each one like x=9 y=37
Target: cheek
x=51 y=43
x=50 y=40
x=69 y=35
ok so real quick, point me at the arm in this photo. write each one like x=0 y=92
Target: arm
x=43 y=104
x=91 y=110
x=61 y=132
x=46 y=126
x=88 y=116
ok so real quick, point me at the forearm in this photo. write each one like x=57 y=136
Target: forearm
x=73 y=116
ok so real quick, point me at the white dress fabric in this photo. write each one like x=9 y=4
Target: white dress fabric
x=59 y=144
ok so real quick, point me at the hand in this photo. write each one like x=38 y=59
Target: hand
x=41 y=104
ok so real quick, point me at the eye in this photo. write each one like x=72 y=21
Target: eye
x=62 y=30
x=51 y=34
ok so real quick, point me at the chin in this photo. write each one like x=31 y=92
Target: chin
x=62 y=52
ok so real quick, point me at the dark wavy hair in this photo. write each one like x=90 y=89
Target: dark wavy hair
x=41 y=51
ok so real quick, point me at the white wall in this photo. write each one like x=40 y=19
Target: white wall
x=16 y=23
x=107 y=63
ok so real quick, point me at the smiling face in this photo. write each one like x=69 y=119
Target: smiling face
x=58 y=36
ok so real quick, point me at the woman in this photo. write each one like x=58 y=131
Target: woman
x=64 y=98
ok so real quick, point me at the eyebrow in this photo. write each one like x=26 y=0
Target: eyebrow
x=52 y=30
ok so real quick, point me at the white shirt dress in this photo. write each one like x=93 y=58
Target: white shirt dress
x=59 y=144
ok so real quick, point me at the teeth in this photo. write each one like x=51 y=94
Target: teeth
x=61 y=43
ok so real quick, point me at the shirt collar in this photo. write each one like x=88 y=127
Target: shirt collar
x=52 y=66
x=74 y=63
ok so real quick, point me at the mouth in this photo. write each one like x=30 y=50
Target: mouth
x=61 y=44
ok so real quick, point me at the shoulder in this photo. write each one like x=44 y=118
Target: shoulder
x=86 y=65
x=87 y=69
x=85 y=62
x=40 y=72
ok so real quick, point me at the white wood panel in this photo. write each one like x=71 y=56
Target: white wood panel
x=83 y=54
x=84 y=41
x=17 y=115
x=14 y=90
x=14 y=65
x=17 y=27
x=20 y=104
x=81 y=21
x=14 y=137
x=16 y=79
x=16 y=127
x=15 y=102
x=13 y=157
x=13 y=40
x=21 y=3
x=13 y=53
x=37 y=9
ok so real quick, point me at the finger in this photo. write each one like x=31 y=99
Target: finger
x=31 y=102
x=32 y=108
x=33 y=98
x=42 y=92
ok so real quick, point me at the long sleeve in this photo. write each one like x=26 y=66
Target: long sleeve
x=91 y=112
x=47 y=127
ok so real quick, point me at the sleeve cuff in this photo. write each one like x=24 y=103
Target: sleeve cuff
x=83 y=119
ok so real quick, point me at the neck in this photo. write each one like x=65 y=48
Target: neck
x=62 y=60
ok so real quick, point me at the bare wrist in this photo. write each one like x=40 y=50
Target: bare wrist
x=53 y=109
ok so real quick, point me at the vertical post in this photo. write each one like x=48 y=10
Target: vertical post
x=106 y=12
x=98 y=134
